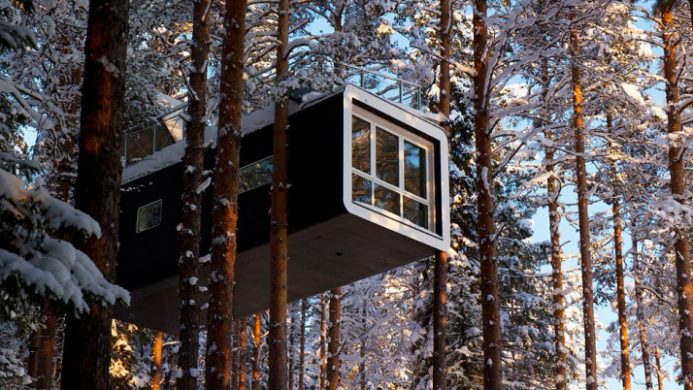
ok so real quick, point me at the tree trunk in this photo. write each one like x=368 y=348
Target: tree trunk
x=157 y=347
x=292 y=345
x=322 y=378
x=279 y=215
x=302 y=348
x=42 y=349
x=225 y=213
x=191 y=212
x=658 y=365
x=235 y=360
x=640 y=313
x=682 y=248
x=334 y=341
x=257 y=340
x=87 y=349
x=490 y=304
x=243 y=354
x=440 y=280
x=585 y=254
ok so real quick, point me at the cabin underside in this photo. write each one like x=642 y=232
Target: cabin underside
x=332 y=253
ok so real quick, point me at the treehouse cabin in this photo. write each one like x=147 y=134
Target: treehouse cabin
x=369 y=192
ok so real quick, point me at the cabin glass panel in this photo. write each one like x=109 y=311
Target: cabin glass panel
x=149 y=216
x=256 y=174
x=391 y=171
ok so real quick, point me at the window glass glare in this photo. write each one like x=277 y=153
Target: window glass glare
x=414 y=169
x=415 y=212
x=386 y=199
x=360 y=144
x=256 y=174
x=387 y=157
x=361 y=190
x=149 y=216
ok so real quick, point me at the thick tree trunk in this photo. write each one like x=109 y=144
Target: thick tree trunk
x=42 y=349
x=157 y=353
x=225 y=213
x=490 y=304
x=322 y=377
x=440 y=280
x=585 y=252
x=682 y=247
x=334 y=340
x=257 y=346
x=87 y=349
x=279 y=213
x=640 y=313
x=191 y=213
x=302 y=348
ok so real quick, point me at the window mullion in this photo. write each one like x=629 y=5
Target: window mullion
x=373 y=158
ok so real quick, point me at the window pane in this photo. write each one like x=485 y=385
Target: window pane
x=360 y=145
x=149 y=216
x=386 y=199
x=414 y=169
x=387 y=157
x=256 y=174
x=361 y=189
x=416 y=212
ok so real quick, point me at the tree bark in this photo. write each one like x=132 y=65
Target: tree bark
x=225 y=213
x=334 y=340
x=658 y=366
x=279 y=215
x=157 y=349
x=585 y=252
x=682 y=248
x=440 y=279
x=302 y=347
x=490 y=304
x=626 y=372
x=87 y=348
x=257 y=340
x=640 y=313
x=42 y=349
x=243 y=354
x=322 y=377
x=191 y=213
x=235 y=361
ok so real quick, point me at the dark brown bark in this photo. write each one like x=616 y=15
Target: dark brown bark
x=583 y=216
x=235 y=360
x=334 y=339
x=42 y=349
x=322 y=377
x=87 y=346
x=490 y=304
x=225 y=213
x=677 y=183
x=243 y=354
x=440 y=279
x=191 y=213
x=640 y=313
x=658 y=367
x=279 y=248
x=157 y=349
x=302 y=347
x=257 y=345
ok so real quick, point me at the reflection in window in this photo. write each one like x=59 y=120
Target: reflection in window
x=416 y=212
x=361 y=189
x=149 y=216
x=360 y=144
x=386 y=199
x=414 y=169
x=256 y=174
x=387 y=156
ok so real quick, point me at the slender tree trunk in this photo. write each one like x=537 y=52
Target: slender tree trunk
x=292 y=349
x=678 y=187
x=302 y=348
x=585 y=253
x=279 y=213
x=640 y=313
x=334 y=340
x=257 y=340
x=225 y=213
x=235 y=361
x=87 y=348
x=658 y=365
x=490 y=304
x=322 y=378
x=157 y=349
x=191 y=213
x=440 y=280
x=243 y=355
x=621 y=298
x=42 y=348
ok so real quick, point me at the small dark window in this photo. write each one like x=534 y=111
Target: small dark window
x=256 y=174
x=149 y=216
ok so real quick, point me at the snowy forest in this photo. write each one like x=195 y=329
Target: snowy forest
x=569 y=127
